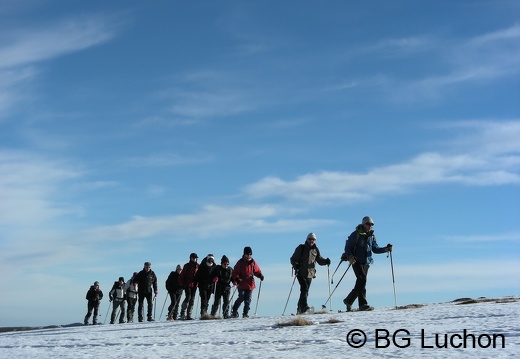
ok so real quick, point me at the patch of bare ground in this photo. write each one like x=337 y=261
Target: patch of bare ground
x=462 y=301
x=296 y=322
x=411 y=306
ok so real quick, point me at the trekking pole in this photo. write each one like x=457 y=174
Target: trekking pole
x=106 y=315
x=332 y=280
x=258 y=297
x=160 y=316
x=155 y=306
x=294 y=280
x=328 y=281
x=393 y=278
x=330 y=296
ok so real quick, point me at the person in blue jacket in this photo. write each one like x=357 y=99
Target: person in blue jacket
x=358 y=252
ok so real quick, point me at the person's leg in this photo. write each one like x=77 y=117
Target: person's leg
x=247 y=302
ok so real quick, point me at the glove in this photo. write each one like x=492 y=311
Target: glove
x=296 y=270
x=234 y=282
x=389 y=247
x=327 y=261
x=238 y=280
x=352 y=259
x=344 y=257
x=111 y=298
x=261 y=277
x=215 y=280
x=156 y=292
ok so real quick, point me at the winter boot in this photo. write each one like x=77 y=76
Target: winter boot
x=234 y=314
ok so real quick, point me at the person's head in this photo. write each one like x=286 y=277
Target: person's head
x=248 y=253
x=147 y=266
x=367 y=223
x=135 y=273
x=311 y=239
x=194 y=257
x=96 y=284
x=121 y=280
x=224 y=262
x=210 y=260
x=178 y=268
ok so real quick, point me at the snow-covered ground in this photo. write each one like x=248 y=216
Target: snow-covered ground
x=481 y=330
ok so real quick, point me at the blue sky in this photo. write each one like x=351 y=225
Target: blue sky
x=134 y=132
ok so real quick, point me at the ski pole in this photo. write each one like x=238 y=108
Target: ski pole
x=332 y=280
x=258 y=297
x=106 y=315
x=155 y=306
x=330 y=296
x=294 y=280
x=160 y=316
x=328 y=281
x=393 y=278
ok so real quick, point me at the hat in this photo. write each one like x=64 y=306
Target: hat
x=194 y=255
x=121 y=279
x=248 y=250
x=311 y=235
x=224 y=259
x=178 y=267
x=210 y=256
x=96 y=283
x=135 y=273
x=367 y=219
x=147 y=264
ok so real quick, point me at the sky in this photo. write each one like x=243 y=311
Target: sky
x=133 y=132
x=432 y=331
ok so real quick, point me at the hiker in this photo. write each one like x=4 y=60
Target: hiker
x=222 y=276
x=94 y=296
x=146 y=288
x=303 y=261
x=187 y=281
x=117 y=296
x=204 y=278
x=174 y=289
x=243 y=275
x=131 y=297
x=358 y=252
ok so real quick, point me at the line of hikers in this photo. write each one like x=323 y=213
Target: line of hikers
x=208 y=277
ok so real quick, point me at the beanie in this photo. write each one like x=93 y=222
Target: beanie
x=367 y=219
x=248 y=250
x=194 y=255
x=224 y=259
x=178 y=267
x=135 y=273
x=121 y=279
x=147 y=264
x=96 y=283
x=210 y=256
x=311 y=235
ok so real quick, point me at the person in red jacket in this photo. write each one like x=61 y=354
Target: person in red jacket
x=243 y=275
x=188 y=281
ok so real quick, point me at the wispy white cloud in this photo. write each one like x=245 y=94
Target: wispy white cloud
x=492 y=158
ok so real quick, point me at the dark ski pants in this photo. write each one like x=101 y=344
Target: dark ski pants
x=244 y=295
x=205 y=296
x=221 y=292
x=92 y=306
x=359 y=291
x=131 y=309
x=189 y=300
x=140 y=308
x=173 y=308
x=118 y=303
x=305 y=284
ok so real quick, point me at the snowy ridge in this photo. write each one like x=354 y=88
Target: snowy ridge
x=475 y=330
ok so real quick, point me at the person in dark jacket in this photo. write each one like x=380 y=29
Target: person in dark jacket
x=304 y=261
x=117 y=297
x=174 y=289
x=188 y=282
x=146 y=288
x=359 y=247
x=243 y=274
x=131 y=297
x=222 y=277
x=94 y=296
x=204 y=278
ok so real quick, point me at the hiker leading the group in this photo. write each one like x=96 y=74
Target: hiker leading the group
x=117 y=297
x=146 y=288
x=359 y=247
x=94 y=296
x=243 y=275
x=304 y=261
x=188 y=282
